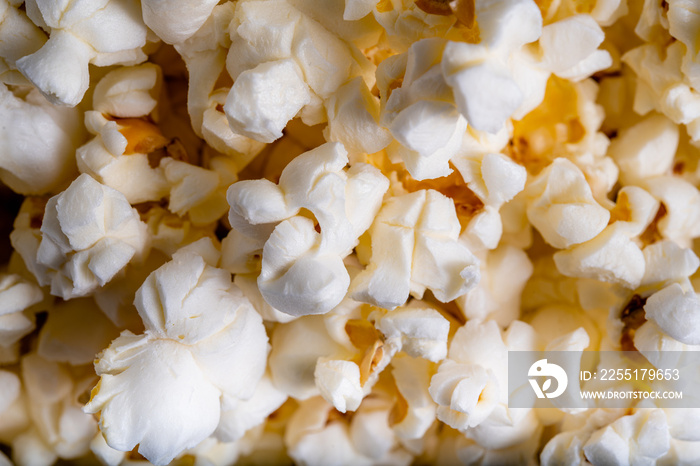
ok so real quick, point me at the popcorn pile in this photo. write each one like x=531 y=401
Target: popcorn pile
x=309 y=232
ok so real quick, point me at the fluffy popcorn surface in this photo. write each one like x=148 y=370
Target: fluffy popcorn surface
x=59 y=69
x=419 y=332
x=423 y=226
x=646 y=149
x=202 y=337
x=638 y=438
x=16 y=295
x=472 y=382
x=676 y=312
x=491 y=299
x=302 y=270
x=420 y=114
x=176 y=21
x=561 y=206
x=89 y=234
x=281 y=63
x=31 y=165
x=57 y=421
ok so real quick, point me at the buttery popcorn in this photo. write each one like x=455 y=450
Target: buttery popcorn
x=414 y=188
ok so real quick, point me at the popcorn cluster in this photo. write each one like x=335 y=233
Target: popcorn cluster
x=309 y=232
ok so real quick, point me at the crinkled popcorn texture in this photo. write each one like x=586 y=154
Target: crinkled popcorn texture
x=302 y=270
x=413 y=188
x=204 y=351
x=89 y=233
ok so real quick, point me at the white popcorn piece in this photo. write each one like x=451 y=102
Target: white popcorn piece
x=19 y=37
x=353 y=114
x=419 y=114
x=112 y=159
x=666 y=261
x=466 y=394
x=264 y=99
x=646 y=149
x=561 y=205
x=421 y=332
x=248 y=283
x=128 y=92
x=676 y=312
x=570 y=47
x=283 y=64
x=640 y=438
x=660 y=349
x=567 y=446
x=424 y=227
x=182 y=352
x=296 y=348
x=302 y=271
x=205 y=56
x=491 y=299
x=89 y=234
x=662 y=84
x=412 y=378
x=611 y=257
x=339 y=383
x=471 y=384
x=494 y=178
x=59 y=428
x=245 y=415
x=75 y=332
x=484 y=87
x=30 y=164
x=59 y=68
x=175 y=22
x=313 y=437
x=196 y=191
x=16 y=295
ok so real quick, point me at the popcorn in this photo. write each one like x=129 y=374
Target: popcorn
x=676 y=313
x=641 y=437
x=646 y=149
x=420 y=114
x=178 y=21
x=313 y=437
x=561 y=206
x=280 y=64
x=421 y=332
x=89 y=234
x=75 y=332
x=178 y=336
x=484 y=88
x=308 y=278
x=59 y=428
x=59 y=69
x=31 y=165
x=425 y=228
x=471 y=384
x=16 y=295
x=492 y=299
